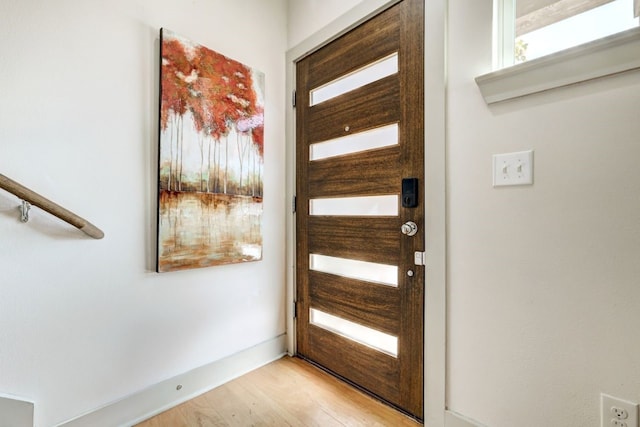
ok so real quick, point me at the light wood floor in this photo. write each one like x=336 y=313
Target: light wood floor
x=287 y=392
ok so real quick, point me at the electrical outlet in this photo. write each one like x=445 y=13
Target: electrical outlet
x=617 y=412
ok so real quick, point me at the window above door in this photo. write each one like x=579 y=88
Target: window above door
x=543 y=44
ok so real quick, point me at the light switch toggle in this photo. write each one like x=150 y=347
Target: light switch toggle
x=513 y=168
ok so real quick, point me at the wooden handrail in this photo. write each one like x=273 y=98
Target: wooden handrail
x=47 y=205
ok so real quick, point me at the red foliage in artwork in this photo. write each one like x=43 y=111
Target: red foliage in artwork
x=217 y=90
x=175 y=95
x=218 y=94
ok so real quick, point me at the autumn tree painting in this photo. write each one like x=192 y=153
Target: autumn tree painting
x=211 y=157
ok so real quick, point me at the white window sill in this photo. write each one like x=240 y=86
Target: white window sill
x=609 y=55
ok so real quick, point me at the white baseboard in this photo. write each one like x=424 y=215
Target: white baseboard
x=453 y=419
x=15 y=412
x=162 y=396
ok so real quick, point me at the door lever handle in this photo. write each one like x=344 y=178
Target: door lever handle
x=409 y=228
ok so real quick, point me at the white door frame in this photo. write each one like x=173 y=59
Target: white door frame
x=435 y=195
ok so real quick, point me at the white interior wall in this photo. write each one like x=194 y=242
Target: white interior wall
x=542 y=280
x=305 y=17
x=85 y=322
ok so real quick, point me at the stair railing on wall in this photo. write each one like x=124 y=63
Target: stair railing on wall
x=30 y=197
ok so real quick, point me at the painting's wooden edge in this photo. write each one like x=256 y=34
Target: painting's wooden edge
x=159 y=158
x=164 y=395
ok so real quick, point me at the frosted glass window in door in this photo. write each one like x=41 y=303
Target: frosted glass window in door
x=381 y=137
x=370 y=337
x=383 y=274
x=355 y=206
x=361 y=77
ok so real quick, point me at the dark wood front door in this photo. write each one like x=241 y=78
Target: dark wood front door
x=360 y=294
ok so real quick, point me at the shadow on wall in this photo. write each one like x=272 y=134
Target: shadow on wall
x=40 y=221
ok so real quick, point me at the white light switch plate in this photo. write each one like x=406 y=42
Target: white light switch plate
x=513 y=168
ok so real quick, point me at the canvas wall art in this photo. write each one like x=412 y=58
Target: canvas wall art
x=211 y=157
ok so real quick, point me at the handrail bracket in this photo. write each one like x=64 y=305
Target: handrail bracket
x=24 y=211
x=31 y=198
